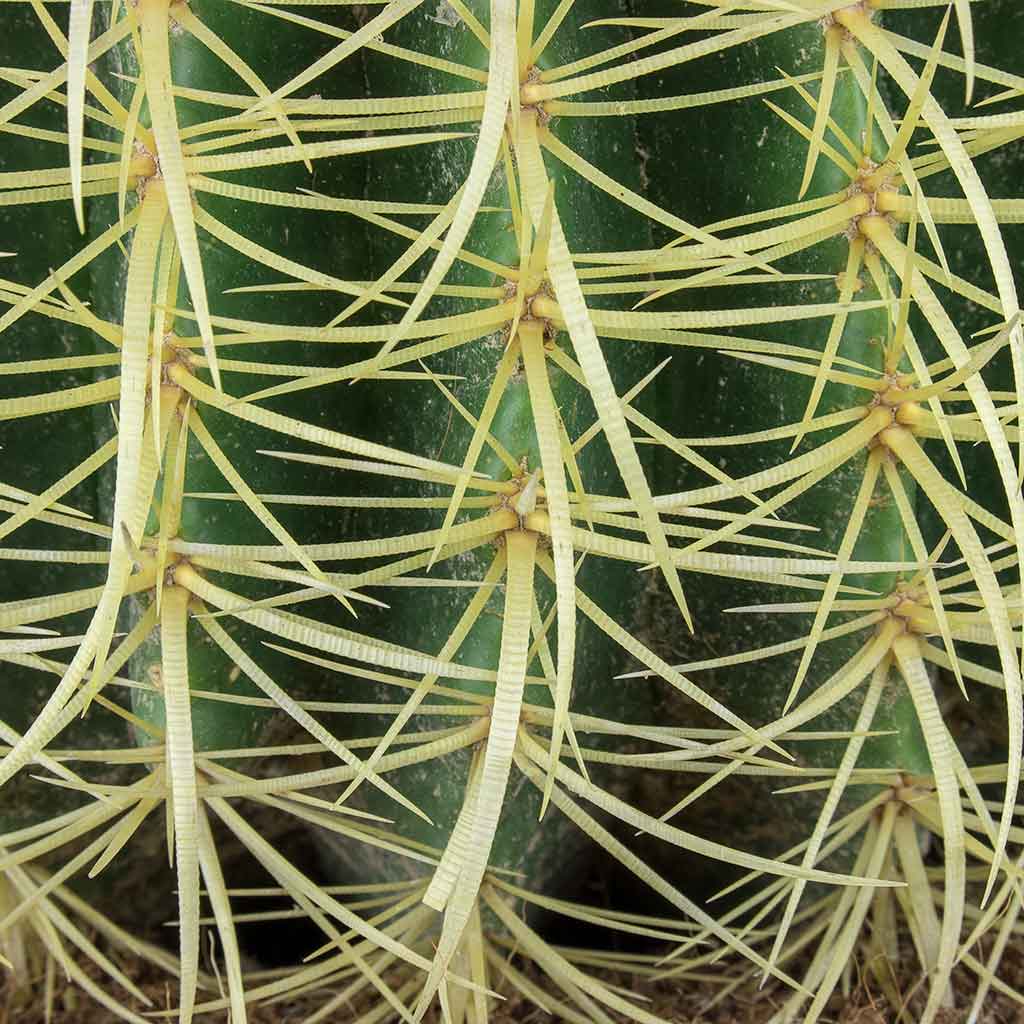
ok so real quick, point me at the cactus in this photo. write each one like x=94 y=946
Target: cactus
x=470 y=368
x=873 y=501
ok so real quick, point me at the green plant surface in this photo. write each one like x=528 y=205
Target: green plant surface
x=868 y=503
x=999 y=169
x=749 y=393
x=492 y=373
x=425 y=330
x=49 y=927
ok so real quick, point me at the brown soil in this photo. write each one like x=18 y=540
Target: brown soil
x=682 y=1003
